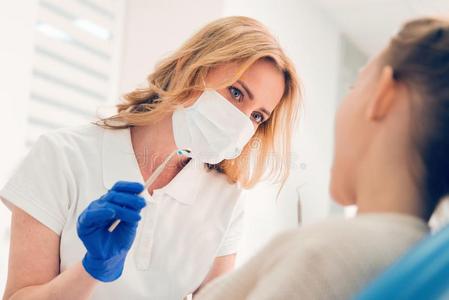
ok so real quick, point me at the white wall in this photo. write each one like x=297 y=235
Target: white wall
x=312 y=41
x=16 y=30
x=15 y=61
x=18 y=57
x=154 y=28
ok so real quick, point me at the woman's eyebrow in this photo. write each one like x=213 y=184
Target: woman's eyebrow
x=250 y=95
x=265 y=112
x=248 y=91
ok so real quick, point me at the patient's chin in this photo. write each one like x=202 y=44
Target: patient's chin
x=340 y=194
x=346 y=202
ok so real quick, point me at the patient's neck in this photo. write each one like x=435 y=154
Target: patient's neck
x=385 y=184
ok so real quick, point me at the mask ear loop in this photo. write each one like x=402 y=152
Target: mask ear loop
x=153 y=178
x=204 y=84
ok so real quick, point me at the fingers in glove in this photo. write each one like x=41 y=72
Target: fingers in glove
x=133 y=202
x=124 y=214
x=128 y=187
x=97 y=216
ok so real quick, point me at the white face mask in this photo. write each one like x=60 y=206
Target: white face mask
x=212 y=128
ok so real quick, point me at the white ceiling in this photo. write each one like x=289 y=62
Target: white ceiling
x=370 y=23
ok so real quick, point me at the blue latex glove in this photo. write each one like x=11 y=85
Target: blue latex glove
x=106 y=251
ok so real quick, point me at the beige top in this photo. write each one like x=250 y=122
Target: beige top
x=331 y=260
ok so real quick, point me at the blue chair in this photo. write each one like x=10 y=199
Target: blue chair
x=422 y=273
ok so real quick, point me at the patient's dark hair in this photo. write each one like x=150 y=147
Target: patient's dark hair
x=419 y=56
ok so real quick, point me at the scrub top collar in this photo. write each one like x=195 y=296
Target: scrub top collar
x=120 y=163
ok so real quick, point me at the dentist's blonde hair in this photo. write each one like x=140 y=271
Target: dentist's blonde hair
x=180 y=77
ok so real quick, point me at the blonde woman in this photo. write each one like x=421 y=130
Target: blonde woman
x=227 y=86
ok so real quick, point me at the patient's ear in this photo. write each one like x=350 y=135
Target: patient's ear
x=384 y=95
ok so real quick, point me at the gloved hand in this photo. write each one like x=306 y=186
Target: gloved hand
x=106 y=251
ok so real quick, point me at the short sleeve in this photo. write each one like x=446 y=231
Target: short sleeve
x=39 y=185
x=234 y=233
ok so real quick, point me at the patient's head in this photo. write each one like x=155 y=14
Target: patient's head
x=396 y=117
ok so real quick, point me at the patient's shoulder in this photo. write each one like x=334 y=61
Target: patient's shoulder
x=367 y=242
x=370 y=233
x=366 y=226
x=371 y=227
x=335 y=258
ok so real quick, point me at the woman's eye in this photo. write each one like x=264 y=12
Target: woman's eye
x=258 y=117
x=236 y=93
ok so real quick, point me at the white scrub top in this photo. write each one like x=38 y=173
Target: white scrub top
x=186 y=225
